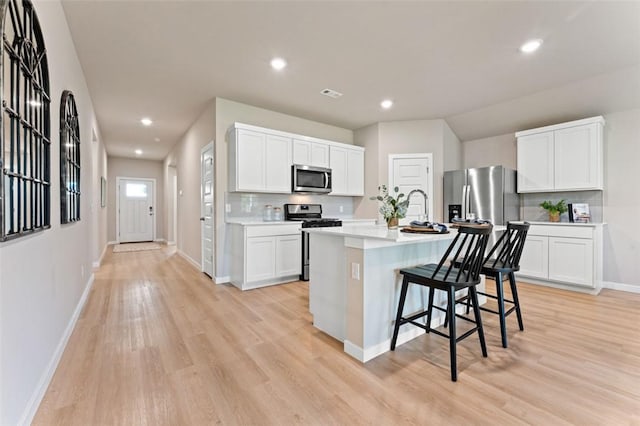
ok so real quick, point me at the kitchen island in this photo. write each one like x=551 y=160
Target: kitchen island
x=355 y=285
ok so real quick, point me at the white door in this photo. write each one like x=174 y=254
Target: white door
x=288 y=253
x=535 y=162
x=136 y=210
x=409 y=172
x=206 y=208
x=571 y=260
x=338 y=161
x=534 y=261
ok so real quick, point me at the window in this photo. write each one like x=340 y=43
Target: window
x=25 y=135
x=69 y=159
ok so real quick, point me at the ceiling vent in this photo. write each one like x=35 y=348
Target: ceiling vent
x=331 y=93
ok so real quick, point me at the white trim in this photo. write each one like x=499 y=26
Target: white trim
x=208 y=146
x=222 y=280
x=631 y=288
x=189 y=259
x=98 y=262
x=153 y=202
x=160 y=240
x=112 y=243
x=598 y=119
x=430 y=192
x=561 y=286
x=36 y=398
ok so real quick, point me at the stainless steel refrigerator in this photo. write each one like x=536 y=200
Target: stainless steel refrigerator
x=487 y=193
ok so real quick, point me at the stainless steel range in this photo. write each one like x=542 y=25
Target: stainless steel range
x=311 y=217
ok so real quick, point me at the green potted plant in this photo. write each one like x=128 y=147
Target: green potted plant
x=554 y=210
x=393 y=208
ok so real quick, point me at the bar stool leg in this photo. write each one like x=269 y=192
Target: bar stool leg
x=476 y=313
x=403 y=296
x=503 y=322
x=514 y=292
x=451 y=312
x=430 y=308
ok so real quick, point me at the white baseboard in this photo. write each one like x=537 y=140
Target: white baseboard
x=159 y=240
x=98 y=262
x=45 y=379
x=222 y=280
x=112 y=243
x=631 y=288
x=171 y=243
x=189 y=259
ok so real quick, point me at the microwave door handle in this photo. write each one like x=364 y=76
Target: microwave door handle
x=326 y=180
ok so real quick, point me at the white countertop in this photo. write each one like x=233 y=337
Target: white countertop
x=591 y=225
x=380 y=233
x=257 y=222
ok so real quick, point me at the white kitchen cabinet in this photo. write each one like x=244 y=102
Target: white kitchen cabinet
x=310 y=153
x=266 y=254
x=563 y=157
x=535 y=162
x=347 y=170
x=535 y=257
x=259 y=162
x=564 y=255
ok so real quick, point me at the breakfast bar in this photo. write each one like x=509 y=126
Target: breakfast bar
x=354 y=285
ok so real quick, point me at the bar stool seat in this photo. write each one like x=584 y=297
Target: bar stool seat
x=450 y=275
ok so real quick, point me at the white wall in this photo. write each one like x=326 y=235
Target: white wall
x=622 y=198
x=132 y=167
x=405 y=137
x=43 y=276
x=492 y=151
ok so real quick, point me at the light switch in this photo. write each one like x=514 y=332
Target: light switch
x=355 y=271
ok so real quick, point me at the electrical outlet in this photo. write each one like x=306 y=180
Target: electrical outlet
x=227 y=207
x=355 y=271
x=341 y=209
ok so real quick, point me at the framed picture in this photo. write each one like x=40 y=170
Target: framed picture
x=579 y=213
x=103 y=192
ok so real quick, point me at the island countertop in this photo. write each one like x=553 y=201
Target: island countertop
x=380 y=234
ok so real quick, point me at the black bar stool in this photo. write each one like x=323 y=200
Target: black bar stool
x=502 y=266
x=462 y=271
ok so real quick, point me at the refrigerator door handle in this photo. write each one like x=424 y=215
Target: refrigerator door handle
x=468 y=202
x=463 y=204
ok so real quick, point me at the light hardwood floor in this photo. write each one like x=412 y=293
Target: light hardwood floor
x=159 y=344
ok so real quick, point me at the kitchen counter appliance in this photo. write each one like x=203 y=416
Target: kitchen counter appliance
x=311 y=217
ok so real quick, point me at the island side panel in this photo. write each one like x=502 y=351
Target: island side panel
x=327 y=285
x=381 y=291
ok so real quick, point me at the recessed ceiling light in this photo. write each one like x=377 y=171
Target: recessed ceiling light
x=278 y=63
x=146 y=121
x=157 y=139
x=386 y=104
x=531 y=46
x=138 y=152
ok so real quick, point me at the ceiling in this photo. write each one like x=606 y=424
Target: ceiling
x=453 y=60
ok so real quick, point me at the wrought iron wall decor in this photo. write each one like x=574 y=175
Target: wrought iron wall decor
x=69 y=159
x=25 y=157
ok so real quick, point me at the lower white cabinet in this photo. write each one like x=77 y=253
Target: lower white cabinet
x=265 y=254
x=566 y=254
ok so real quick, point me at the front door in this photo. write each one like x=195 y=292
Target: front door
x=206 y=208
x=409 y=172
x=136 y=210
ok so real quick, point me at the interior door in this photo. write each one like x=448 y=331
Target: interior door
x=206 y=208
x=409 y=173
x=136 y=215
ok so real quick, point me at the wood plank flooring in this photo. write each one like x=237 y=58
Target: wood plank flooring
x=159 y=344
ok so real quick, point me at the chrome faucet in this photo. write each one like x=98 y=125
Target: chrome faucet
x=424 y=194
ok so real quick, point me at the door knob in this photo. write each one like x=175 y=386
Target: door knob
x=202 y=219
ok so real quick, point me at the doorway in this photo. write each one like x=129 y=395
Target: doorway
x=135 y=209
x=413 y=172
x=206 y=208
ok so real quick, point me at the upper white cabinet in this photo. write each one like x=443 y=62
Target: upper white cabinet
x=563 y=157
x=310 y=153
x=347 y=170
x=259 y=162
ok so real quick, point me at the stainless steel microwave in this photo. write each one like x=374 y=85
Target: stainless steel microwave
x=309 y=179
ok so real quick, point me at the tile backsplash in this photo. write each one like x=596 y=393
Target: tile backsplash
x=250 y=206
x=532 y=211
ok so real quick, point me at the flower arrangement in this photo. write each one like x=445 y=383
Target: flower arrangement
x=393 y=207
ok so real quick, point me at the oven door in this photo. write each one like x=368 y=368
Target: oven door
x=308 y=179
